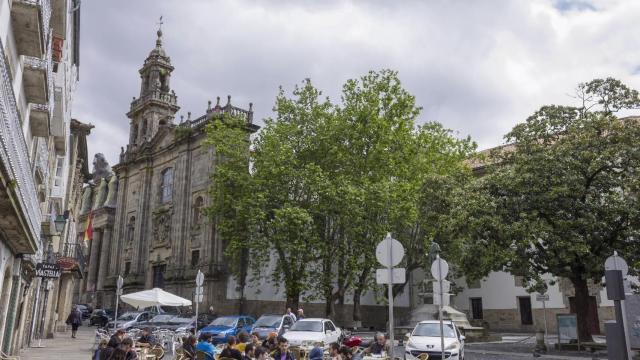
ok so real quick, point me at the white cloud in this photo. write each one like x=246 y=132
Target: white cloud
x=479 y=67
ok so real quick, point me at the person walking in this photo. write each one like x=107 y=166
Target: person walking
x=75 y=320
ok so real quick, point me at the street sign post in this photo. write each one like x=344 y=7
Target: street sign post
x=615 y=262
x=439 y=270
x=544 y=298
x=199 y=293
x=398 y=276
x=119 y=284
x=389 y=253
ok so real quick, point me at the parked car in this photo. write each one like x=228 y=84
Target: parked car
x=425 y=338
x=313 y=331
x=272 y=323
x=100 y=317
x=225 y=326
x=130 y=319
x=85 y=310
x=156 y=322
x=182 y=323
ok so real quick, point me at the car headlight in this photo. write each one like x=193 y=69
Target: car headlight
x=454 y=345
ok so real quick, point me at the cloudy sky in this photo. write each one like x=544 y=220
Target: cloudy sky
x=478 y=67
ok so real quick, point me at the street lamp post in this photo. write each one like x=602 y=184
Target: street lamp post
x=59 y=224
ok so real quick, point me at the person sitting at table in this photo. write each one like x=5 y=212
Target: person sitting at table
x=101 y=347
x=118 y=354
x=116 y=339
x=230 y=351
x=127 y=344
x=255 y=340
x=147 y=339
x=348 y=353
x=334 y=351
x=204 y=345
x=261 y=353
x=283 y=353
x=378 y=346
x=270 y=343
x=189 y=347
x=248 y=352
x=243 y=339
x=316 y=354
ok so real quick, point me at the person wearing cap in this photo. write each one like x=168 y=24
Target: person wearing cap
x=316 y=354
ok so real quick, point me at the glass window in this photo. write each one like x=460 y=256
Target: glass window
x=309 y=325
x=59 y=168
x=329 y=326
x=195 y=258
x=166 y=185
x=240 y=322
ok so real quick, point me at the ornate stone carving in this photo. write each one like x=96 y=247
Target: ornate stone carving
x=100 y=194
x=86 y=200
x=162 y=226
x=101 y=168
x=112 y=192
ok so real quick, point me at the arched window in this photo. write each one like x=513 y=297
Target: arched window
x=166 y=185
x=197 y=210
x=131 y=227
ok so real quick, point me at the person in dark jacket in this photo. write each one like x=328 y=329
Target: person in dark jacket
x=283 y=352
x=75 y=320
x=116 y=339
x=230 y=351
x=189 y=347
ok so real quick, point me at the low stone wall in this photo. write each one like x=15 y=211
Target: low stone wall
x=509 y=319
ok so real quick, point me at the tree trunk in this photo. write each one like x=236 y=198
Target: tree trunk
x=293 y=301
x=582 y=309
x=357 y=315
x=244 y=264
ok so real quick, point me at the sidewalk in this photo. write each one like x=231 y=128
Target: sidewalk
x=64 y=347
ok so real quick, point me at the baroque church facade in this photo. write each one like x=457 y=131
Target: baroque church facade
x=147 y=214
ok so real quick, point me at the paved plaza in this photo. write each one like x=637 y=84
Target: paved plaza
x=64 y=347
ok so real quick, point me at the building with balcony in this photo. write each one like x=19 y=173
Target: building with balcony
x=39 y=44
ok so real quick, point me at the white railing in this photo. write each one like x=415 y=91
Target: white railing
x=14 y=152
x=42 y=160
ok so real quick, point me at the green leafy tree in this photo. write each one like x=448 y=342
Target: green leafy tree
x=561 y=198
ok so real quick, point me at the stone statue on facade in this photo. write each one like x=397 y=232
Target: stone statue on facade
x=112 y=192
x=86 y=199
x=101 y=168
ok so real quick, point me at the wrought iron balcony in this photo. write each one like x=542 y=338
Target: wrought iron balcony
x=38 y=84
x=30 y=22
x=15 y=164
x=42 y=161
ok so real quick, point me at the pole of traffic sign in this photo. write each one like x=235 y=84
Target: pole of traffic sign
x=119 y=283
x=390 y=268
x=544 y=314
x=440 y=306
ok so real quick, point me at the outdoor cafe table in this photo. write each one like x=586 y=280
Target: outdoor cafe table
x=143 y=353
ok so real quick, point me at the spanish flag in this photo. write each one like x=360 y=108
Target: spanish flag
x=88 y=233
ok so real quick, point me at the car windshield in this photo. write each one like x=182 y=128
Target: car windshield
x=181 y=320
x=224 y=321
x=127 y=316
x=307 y=326
x=433 y=329
x=272 y=321
x=161 y=318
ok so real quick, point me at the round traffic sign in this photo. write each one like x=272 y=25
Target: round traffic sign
x=389 y=251
x=435 y=269
x=615 y=262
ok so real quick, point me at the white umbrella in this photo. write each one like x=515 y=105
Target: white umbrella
x=154 y=297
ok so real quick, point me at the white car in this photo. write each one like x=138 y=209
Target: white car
x=312 y=331
x=425 y=338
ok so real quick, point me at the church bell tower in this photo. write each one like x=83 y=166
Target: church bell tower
x=157 y=103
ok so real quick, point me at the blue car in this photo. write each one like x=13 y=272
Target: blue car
x=225 y=326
